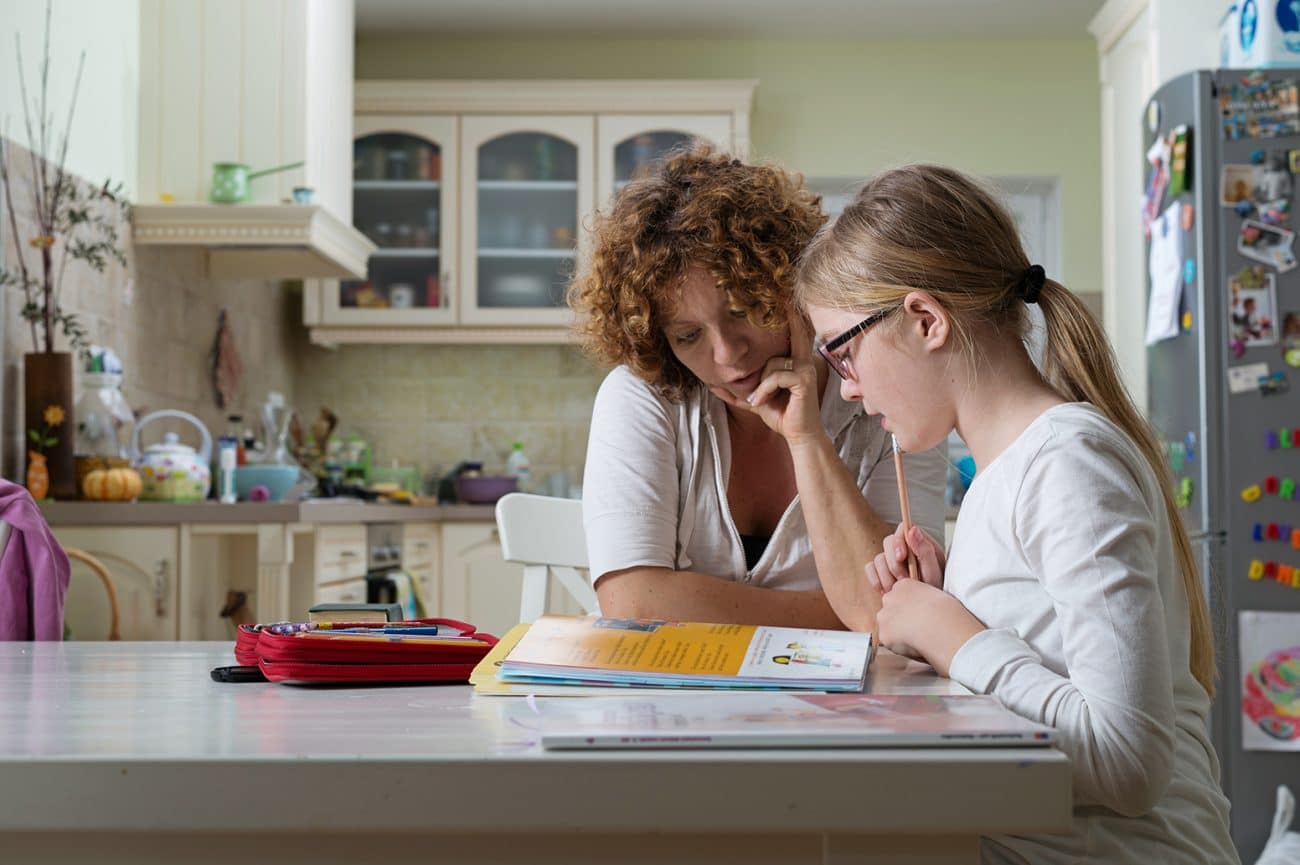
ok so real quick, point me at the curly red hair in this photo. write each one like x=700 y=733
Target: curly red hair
x=746 y=224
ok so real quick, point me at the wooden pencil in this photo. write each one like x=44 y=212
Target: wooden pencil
x=904 y=507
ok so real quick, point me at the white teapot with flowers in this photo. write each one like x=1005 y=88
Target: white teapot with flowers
x=172 y=471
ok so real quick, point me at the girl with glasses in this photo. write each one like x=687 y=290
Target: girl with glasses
x=1070 y=591
x=698 y=503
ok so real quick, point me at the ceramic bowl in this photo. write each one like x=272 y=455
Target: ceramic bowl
x=276 y=478
x=485 y=489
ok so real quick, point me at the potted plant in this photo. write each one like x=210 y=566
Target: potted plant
x=69 y=221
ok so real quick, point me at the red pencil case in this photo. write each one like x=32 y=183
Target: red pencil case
x=333 y=655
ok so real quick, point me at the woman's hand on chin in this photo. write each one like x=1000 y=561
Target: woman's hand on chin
x=788 y=398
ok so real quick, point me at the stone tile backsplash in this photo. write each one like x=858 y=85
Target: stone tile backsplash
x=434 y=406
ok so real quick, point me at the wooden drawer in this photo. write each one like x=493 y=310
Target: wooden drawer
x=419 y=545
x=347 y=592
x=340 y=553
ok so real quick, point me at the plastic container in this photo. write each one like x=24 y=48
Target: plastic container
x=105 y=422
x=518 y=466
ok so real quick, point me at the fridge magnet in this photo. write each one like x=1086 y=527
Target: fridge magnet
x=1237 y=184
x=1293 y=160
x=1153 y=116
x=1178 y=174
x=1270 y=671
x=1273 y=181
x=1256 y=107
x=1245 y=378
x=1189 y=217
x=1267 y=243
x=1257 y=156
x=1291 y=339
x=1252 y=305
x=1189 y=271
x=1272 y=385
x=1187 y=321
x=1275 y=212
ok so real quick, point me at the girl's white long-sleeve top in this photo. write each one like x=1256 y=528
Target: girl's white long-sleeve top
x=1063 y=549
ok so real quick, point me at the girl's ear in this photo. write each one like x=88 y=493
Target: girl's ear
x=928 y=320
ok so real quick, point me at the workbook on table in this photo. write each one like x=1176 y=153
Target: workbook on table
x=650 y=652
x=783 y=721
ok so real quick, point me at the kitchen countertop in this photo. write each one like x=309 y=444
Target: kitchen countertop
x=318 y=511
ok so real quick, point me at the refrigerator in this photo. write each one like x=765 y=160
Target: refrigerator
x=1220 y=414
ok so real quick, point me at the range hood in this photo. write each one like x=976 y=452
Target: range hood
x=271 y=241
x=267 y=91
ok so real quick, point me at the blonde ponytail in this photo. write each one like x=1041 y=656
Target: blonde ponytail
x=1079 y=364
x=932 y=228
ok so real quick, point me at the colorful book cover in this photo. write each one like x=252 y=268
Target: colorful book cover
x=783 y=721
x=652 y=652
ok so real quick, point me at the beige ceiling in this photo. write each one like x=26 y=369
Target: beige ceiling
x=801 y=19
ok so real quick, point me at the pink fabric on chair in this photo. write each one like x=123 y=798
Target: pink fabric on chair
x=34 y=571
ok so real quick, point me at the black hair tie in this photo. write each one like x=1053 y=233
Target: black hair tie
x=1031 y=284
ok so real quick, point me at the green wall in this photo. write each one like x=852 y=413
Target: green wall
x=996 y=108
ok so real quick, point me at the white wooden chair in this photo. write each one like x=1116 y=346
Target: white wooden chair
x=545 y=536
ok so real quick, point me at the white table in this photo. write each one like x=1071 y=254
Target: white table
x=128 y=752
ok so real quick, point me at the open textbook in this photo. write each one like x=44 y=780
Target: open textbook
x=650 y=652
x=783 y=721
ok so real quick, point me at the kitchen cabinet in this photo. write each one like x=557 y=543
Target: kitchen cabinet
x=420 y=560
x=530 y=180
x=174 y=578
x=521 y=169
x=479 y=586
x=143 y=562
x=630 y=144
x=404 y=187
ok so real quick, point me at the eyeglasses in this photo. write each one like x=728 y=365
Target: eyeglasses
x=840 y=363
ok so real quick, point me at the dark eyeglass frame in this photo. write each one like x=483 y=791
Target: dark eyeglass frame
x=841 y=365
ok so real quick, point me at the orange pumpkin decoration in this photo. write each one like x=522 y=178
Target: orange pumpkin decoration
x=112 y=485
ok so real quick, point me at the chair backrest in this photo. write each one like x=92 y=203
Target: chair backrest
x=545 y=535
x=95 y=565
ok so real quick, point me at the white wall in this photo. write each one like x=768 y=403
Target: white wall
x=105 y=128
x=1185 y=36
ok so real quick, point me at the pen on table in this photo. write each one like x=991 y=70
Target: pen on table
x=905 y=508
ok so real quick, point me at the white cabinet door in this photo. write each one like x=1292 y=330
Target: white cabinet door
x=143 y=564
x=527 y=183
x=404 y=198
x=628 y=144
x=478 y=585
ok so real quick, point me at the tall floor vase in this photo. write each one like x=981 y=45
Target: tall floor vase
x=48 y=425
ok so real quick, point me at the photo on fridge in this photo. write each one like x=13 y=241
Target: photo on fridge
x=1267 y=243
x=1252 y=305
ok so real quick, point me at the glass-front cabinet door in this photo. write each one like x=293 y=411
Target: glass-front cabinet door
x=630 y=145
x=528 y=181
x=404 y=194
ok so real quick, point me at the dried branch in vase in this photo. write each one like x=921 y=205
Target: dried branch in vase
x=73 y=221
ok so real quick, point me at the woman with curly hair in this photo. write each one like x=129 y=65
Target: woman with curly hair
x=699 y=505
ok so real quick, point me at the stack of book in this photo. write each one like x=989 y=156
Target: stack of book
x=561 y=654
